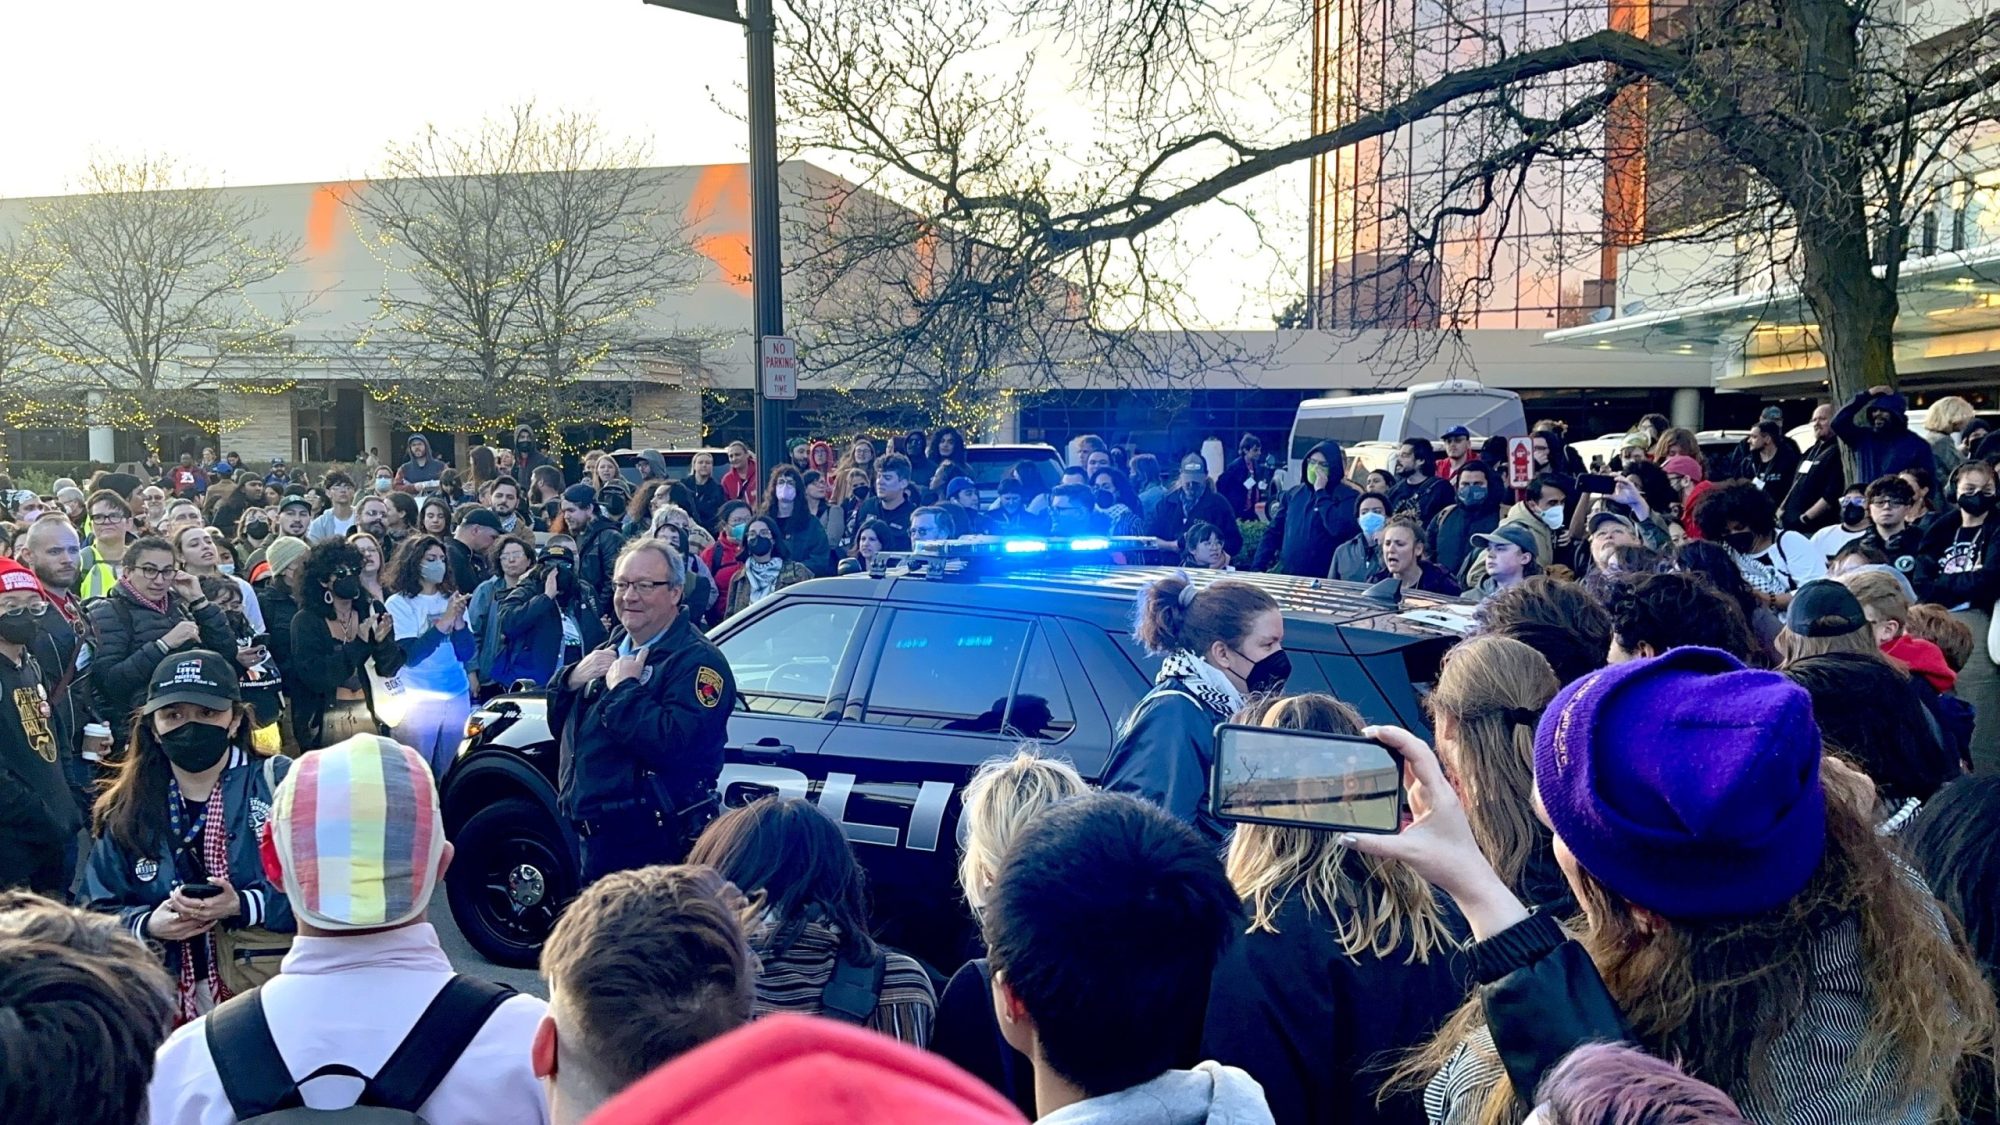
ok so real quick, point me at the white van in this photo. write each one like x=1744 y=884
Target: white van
x=1426 y=410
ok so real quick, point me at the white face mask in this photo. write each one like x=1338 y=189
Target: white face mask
x=1553 y=517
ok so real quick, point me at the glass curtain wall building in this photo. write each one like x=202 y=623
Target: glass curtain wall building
x=1417 y=229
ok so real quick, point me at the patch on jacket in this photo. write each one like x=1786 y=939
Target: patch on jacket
x=708 y=687
x=146 y=870
x=260 y=814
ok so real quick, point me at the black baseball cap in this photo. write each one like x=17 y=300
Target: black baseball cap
x=197 y=676
x=1824 y=608
x=295 y=500
x=480 y=517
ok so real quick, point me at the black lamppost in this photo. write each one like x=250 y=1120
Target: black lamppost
x=767 y=294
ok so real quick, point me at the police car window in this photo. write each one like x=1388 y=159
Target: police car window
x=946 y=671
x=785 y=662
x=1041 y=707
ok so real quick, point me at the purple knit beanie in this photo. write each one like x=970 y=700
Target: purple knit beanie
x=1687 y=784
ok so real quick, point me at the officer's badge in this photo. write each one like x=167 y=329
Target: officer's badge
x=708 y=687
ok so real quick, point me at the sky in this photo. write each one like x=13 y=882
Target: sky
x=252 y=92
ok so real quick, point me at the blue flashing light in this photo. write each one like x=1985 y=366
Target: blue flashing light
x=1099 y=544
x=1024 y=546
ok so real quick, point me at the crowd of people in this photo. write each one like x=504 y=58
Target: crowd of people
x=1696 y=836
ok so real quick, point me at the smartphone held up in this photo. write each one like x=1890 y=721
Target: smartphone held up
x=1337 y=783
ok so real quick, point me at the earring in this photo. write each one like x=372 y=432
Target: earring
x=329 y=597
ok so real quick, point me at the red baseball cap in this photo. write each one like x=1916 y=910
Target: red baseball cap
x=802 y=1070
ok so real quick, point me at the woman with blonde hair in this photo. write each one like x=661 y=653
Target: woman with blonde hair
x=1002 y=799
x=1484 y=709
x=1942 y=423
x=1348 y=962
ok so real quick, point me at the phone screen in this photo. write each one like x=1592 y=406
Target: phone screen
x=1597 y=484
x=1336 y=782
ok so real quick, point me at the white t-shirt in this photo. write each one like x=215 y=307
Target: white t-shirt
x=1793 y=558
x=440 y=670
x=1833 y=540
x=326 y=525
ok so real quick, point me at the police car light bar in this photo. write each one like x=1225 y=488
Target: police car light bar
x=941 y=558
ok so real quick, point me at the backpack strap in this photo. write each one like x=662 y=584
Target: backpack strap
x=434 y=1044
x=254 y=1076
x=855 y=987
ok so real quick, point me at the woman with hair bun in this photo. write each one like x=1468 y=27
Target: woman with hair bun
x=1219 y=644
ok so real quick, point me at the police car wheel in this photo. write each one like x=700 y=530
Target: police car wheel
x=511 y=874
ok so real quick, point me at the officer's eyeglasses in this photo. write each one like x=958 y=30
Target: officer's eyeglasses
x=35 y=610
x=640 y=586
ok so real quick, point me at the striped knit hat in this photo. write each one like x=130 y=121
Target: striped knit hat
x=357 y=834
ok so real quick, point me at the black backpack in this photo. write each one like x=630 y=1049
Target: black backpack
x=261 y=1089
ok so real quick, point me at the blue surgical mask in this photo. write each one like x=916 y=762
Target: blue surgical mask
x=1371 y=523
x=432 y=570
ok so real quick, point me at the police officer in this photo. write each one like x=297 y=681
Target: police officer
x=643 y=720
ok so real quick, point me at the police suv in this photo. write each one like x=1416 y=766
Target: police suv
x=877 y=695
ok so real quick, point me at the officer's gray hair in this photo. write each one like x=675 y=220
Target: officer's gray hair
x=676 y=568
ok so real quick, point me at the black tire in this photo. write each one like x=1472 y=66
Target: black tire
x=511 y=873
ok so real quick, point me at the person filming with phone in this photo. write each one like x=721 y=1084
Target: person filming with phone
x=1349 y=961
x=176 y=852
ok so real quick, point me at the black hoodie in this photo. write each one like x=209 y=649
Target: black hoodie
x=1311 y=522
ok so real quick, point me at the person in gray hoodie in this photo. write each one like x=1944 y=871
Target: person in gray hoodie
x=1103 y=928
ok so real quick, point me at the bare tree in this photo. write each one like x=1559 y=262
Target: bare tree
x=142 y=303
x=917 y=304
x=1823 y=130
x=521 y=256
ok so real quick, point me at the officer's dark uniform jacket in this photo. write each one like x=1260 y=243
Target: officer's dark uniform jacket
x=123 y=655
x=117 y=881
x=670 y=721
x=1164 y=752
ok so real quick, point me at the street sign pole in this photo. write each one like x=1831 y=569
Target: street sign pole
x=767 y=274
x=767 y=278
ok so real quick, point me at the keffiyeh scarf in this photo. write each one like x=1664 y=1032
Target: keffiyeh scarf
x=1202 y=680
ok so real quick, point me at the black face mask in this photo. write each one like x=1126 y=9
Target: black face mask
x=759 y=545
x=346 y=586
x=1106 y=498
x=1740 y=541
x=1853 y=512
x=1268 y=674
x=257 y=529
x=1975 y=503
x=863 y=491
x=19 y=628
x=195 y=747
